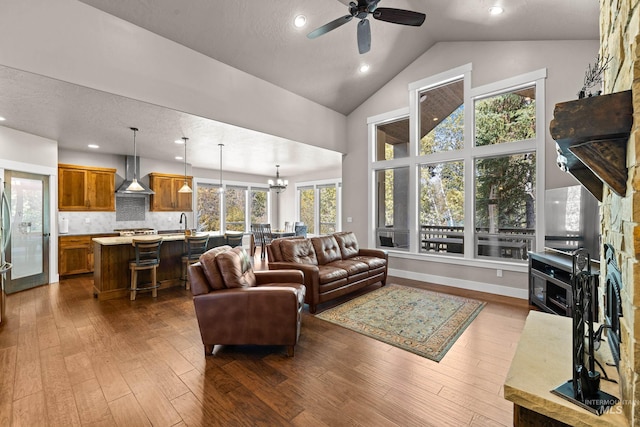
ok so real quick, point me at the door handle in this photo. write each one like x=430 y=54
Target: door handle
x=46 y=234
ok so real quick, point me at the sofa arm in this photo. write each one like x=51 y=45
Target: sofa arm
x=279 y=276
x=311 y=277
x=378 y=253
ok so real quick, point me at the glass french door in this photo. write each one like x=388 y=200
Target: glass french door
x=28 y=248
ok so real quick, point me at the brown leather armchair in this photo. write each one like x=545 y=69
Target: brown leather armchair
x=236 y=306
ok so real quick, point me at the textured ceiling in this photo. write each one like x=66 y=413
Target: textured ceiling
x=258 y=37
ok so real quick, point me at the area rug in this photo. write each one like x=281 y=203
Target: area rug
x=420 y=321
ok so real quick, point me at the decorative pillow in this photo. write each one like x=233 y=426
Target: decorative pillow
x=210 y=267
x=298 y=250
x=236 y=269
x=327 y=249
x=348 y=244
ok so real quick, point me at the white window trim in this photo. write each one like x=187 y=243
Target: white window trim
x=468 y=154
x=316 y=199
x=249 y=186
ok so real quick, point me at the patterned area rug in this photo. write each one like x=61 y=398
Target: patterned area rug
x=423 y=322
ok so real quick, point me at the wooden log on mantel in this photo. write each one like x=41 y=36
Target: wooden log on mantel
x=595 y=131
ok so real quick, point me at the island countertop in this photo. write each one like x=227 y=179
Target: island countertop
x=127 y=240
x=111 y=274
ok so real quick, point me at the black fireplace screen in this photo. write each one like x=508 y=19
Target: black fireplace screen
x=613 y=302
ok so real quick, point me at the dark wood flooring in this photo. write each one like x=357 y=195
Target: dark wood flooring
x=67 y=359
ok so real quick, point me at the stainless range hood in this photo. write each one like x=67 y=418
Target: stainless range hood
x=132 y=164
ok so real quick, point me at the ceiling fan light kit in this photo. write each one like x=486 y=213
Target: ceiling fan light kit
x=362 y=10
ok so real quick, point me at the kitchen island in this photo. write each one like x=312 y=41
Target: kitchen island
x=111 y=274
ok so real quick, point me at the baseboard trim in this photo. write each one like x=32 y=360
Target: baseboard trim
x=489 y=288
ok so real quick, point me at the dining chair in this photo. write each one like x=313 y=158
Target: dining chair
x=147 y=258
x=194 y=246
x=234 y=240
x=267 y=237
x=301 y=230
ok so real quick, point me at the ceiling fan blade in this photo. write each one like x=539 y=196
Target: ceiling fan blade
x=329 y=26
x=364 y=36
x=399 y=16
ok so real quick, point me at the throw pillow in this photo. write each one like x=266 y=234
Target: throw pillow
x=210 y=267
x=298 y=250
x=236 y=269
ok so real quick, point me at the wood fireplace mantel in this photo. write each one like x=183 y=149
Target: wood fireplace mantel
x=592 y=134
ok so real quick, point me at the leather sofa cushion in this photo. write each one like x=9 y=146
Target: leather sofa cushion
x=371 y=261
x=348 y=244
x=328 y=274
x=298 y=250
x=327 y=249
x=236 y=269
x=276 y=250
x=210 y=267
x=351 y=266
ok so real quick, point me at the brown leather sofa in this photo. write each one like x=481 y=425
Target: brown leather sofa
x=333 y=265
x=236 y=306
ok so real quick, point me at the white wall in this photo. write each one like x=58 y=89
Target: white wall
x=565 y=61
x=76 y=43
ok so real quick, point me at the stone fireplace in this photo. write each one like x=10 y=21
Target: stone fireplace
x=620 y=215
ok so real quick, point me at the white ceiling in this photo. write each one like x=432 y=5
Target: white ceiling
x=258 y=37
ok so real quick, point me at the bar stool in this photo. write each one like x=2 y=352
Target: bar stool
x=147 y=258
x=194 y=247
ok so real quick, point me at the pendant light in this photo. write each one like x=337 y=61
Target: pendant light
x=221 y=189
x=185 y=187
x=134 y=186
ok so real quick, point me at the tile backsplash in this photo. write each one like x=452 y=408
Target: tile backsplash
x=105 y=222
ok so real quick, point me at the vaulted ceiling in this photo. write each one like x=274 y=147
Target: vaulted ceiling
x=259 y=38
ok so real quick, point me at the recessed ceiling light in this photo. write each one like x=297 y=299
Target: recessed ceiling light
x=2 y=119
x=93 y=146
x=364 y=68
x=435 y=119
x=299 y=21
x=179 y=157
x=179 y=141
x=496 y=10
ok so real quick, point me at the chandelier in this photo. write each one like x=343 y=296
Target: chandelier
x=279 y=184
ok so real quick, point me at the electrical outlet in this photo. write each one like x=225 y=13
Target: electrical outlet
x=349 y=219
x=499 y=273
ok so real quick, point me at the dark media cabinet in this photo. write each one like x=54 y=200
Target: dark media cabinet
x=550 y=277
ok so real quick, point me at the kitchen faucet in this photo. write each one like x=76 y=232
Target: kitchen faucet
x=184 y=215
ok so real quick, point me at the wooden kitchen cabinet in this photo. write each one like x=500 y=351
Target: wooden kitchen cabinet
x=76 y=253
x=166 y=197
x=86 y=188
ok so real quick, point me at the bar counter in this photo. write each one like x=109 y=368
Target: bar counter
x=111 y=275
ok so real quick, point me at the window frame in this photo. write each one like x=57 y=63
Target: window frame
x=248 y=186
x=316 y=185
x=468 y=154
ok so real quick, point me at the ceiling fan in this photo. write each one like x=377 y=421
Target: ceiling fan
x=361 y=10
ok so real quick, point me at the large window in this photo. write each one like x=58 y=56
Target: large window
x=319 y=206
x=208 y=202
x=235 y=204
x=467 y=185
x=328 y=206
x=233 y=209
x=259 y=205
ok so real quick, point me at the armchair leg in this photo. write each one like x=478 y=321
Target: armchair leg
x=208 y=349
x=290 y=350
x=312 y=308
